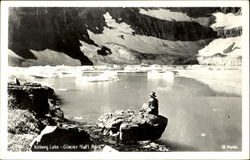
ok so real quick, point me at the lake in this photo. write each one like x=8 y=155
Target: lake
x=200 y=118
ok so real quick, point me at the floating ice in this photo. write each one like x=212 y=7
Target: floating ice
x=167 y=75
x=42 y=75
x=80 y=117
x=66 y=73
x=41 y=72
x=137 y=68
x=105 y=76
x=62 y=89
x=164 y=89
x=86 y=68
x=216 y=109
x=102 y=68
x=203 y=134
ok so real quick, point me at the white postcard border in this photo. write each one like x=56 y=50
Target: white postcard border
x=129 y=155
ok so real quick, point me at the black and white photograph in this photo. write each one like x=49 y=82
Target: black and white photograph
x=129 y=77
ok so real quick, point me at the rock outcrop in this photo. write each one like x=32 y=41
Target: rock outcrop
x=132 y=126
x=54 y=138
x=225 y=33
x=34 y=97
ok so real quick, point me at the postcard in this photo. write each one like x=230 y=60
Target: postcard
x=125 y=80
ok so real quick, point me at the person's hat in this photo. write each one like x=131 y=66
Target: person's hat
x=153 y=94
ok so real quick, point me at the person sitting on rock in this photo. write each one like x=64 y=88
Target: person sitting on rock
x=152 y=106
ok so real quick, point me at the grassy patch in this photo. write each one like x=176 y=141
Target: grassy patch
x=19 y=142
x=22 y=128
x=22 y=122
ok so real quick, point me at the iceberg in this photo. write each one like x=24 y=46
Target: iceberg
x=105 y=76
x=42 y=75
x=166 y=75
x=68 y=73
x=80 y=117
x=62 y=89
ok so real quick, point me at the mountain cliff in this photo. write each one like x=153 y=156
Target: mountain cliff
x=92 y=36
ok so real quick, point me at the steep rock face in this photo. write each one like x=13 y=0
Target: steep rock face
x=34 y=97
x=227 y=33
x=46 y=28
x=39 y=30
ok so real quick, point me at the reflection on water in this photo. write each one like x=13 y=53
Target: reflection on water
x=200 y=119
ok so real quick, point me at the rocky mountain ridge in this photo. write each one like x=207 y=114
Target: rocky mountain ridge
x=92 y=36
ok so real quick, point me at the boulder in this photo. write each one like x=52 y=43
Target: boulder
x=54 y=138
x=132 y=126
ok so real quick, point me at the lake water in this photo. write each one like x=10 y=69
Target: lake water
x=200 y=119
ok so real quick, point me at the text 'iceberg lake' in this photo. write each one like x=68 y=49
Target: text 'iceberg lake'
x=200 y=117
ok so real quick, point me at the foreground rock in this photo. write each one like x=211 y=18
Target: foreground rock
x=38 y=99
x=54 y=138
x=132 y=126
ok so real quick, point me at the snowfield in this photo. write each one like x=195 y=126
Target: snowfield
x=227 y=46
x=102 y=77
x=222 y=51
x=168 y=15
x=226 y=21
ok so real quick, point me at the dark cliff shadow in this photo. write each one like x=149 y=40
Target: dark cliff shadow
x=58 y=29
x=174 y=146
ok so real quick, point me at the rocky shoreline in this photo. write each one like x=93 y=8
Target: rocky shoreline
x=36 y=123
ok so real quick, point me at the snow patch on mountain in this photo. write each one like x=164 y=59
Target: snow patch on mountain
x=120 y=27
x=224 y=46
x=222 y=51
x=165 y=14
x=226 y=21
